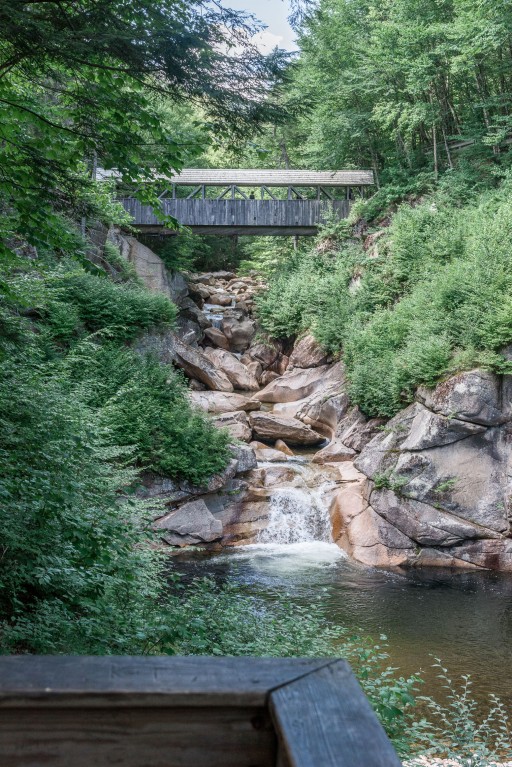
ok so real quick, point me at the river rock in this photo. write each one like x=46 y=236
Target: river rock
x=191 y=524
x=299 y=384
x=217 y=338
x=307 y=353
x=198 y=291
x=237 y=373
x=238 y=333
x=283 y=447
x=272 y=427
x=245 y=457
x=198 y=366
x=221 y=299
x=265 y=353
x=220 y=402
x=236 y=423
x=335 y=452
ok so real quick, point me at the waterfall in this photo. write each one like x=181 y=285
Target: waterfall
x=297 y=516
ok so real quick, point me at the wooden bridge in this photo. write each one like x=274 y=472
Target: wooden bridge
x=252 y=202
x=186 y=712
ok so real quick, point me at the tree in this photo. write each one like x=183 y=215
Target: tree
x=88 y=82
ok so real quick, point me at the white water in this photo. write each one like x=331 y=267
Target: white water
x=297 y=515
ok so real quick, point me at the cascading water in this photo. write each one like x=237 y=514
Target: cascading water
x=297 y=515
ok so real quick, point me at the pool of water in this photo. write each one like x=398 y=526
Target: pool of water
x=463 y=618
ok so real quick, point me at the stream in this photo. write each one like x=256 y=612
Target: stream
x=464 y=618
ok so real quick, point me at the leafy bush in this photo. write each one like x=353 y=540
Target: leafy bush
x=81 y=302
x=456 y=729
x=437 y=299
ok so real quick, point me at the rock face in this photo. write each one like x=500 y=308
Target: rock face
x=236 y=423
x=437 y=480
x=192 y=523
x=272 y=427
x=307 y=353
x=238 y=374
x=220 y=402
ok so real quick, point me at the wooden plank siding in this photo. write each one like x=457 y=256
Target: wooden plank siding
x=186 y=712
x=228 y=214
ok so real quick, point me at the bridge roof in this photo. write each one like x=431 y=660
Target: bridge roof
x=262 y=177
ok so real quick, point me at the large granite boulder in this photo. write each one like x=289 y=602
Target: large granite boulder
x=222 y=402
x=236 y=423
x=271 y=427
x=440 y=473
x=239 y=333
x=299 y=384
x=307 y=353
x=217 y=338
x=237 y=373
x=192 y=523
x=197 y=365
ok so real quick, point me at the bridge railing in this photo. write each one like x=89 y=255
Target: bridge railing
x=186 y=712
x=249 y=214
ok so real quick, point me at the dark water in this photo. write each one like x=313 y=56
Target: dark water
x=463 y=618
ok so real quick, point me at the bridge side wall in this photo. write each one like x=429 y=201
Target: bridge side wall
x=287 y=214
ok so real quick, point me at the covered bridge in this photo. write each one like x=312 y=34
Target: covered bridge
x=252 y=202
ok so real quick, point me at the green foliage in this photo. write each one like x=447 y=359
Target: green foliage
x=194 y=252
x=81 y=302
x=437 y=298
x=457 y=730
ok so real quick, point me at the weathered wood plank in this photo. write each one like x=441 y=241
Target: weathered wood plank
x=239 y=213
x=137 y=737
x=324 y=718
x=27 y=681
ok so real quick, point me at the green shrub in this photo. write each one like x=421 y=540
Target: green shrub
x=438 y=297
x=82 y=302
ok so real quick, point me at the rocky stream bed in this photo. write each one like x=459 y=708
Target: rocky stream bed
x=430 y=487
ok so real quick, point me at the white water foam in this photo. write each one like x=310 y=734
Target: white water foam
x=297 y=516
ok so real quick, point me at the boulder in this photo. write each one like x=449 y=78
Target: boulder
x=149 y=267
x=178 y=288
x=440 y=472
x=283 y=447
x=245 y=457
x=335 y=452
x=425 y=524
x=191 y=524
x=473 y=396
x=236 y=423
x=237 y=373
x=197 y=365
x=221 y=299
x=269 y=455
x=188 y=331
x=254 y=369
x=271 y=427
x=307 y=353
x=238 y=333
x=267 y=377
x=220 y=402
x=298 y=384
x=198 y=291
x=265 y=353
x=217 y=338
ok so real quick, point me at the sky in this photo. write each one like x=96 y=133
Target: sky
x=273 y=13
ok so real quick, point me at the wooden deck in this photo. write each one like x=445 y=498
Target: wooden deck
x=186 y=712
x=228 y=216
